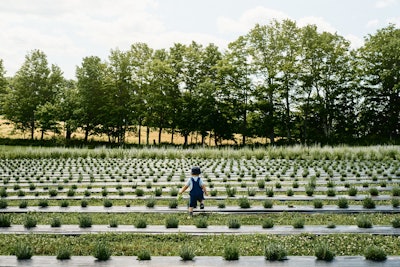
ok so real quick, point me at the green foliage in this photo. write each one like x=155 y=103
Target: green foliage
x=171 y=222
x=186 y=253
x=322 y=252
x=102 y=252
x=267 y=204
x=85 y=221
x=396 y=222
x=3 y=203
x=274 y=252
x=144 y=255
x=23 y=251
x=201 y=222
x=318 y=204
x=56 y=222
x=141 y=223
x=267 y=223
x=231 y=253
x=375 y=253
x=64 y=253
x=298 y=223
x=368 y=203
x=5 y=220
x=30 y=221
x=343 y=203
x=233 y=223
x=244 y=203
x=363 y=222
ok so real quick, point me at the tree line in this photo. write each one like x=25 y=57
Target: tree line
x=278 y=82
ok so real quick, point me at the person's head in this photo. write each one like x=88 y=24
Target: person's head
x=196 y=170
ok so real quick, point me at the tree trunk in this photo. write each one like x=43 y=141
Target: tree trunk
x=159 y=135
x=86 y=134
x=32 y=129
x=147 y=135
x=140 y=133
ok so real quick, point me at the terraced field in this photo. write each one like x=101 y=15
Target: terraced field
x=72 y=200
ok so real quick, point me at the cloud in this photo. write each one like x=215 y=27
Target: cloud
x=249 y=18
x=385 y=3
x=373 y=23
x=355 y=41
x=394 y=20
x=322 y=25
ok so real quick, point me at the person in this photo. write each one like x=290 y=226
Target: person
x=197 y=190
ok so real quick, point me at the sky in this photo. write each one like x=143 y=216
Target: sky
x=69 y=30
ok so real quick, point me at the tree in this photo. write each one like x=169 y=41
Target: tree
x=68 y=108
x=3 y=85
x=379 y=70
x=265 y=55
x=140 y=55
x=92 y=94
x=235 y=86
x=33 y=86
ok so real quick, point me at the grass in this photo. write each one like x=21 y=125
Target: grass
x=208 y=245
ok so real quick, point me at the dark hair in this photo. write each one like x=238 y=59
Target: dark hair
x=196 y=170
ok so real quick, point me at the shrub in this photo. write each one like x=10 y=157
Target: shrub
x=261 y=184
x=352 y=191
x=201 y=222
x=53 y=192
x=309 y=191
x=139 y=192
x=71 y=192
x=144 y=255
x=298 y=223
x=173 y=192
x=141 y=223
x=84 y=203
x=331 y=192
x=150 y=202
x=368 y=203
x=318 y=204
x=268 y=204
x=173 y=204
x=396 y=223
x=113 y=223
x=251 y=192
x=268 y=223
x=234 y=223
x=171 y=222
x=107 y=203
x=230 y=191
x=322 y=252
x=289 y=192
x=30 y=221
x=102 y=252
x=3 y=203
x=395 y=202
x=214 y=192
x=158 y=191
x=64 y=253
x=186 y=253
x=23 y=251
x=343 y=203
x=373 y=191
x=3 y=192
x=274 y=252
x=23 y=204
x=43 y=203
x=221 y=205
x=363 y=222
x=331 y=226
x=375 y=253
x=85 y=221
x=5 y=220
x=64 y=203
x=231 y=253
x=56 y=222
x=244 y=203
x=269 y=192
x=396 y=191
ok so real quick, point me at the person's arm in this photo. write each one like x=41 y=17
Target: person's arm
x=204 y=190
x=183 y=189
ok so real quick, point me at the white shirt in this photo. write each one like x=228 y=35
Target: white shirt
x=190 y=184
